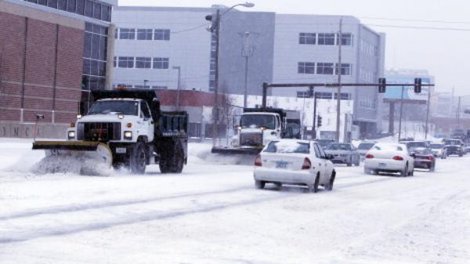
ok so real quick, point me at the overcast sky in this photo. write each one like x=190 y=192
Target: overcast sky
x=433 y=35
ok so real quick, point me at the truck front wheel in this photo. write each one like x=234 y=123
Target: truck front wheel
x=138 y=158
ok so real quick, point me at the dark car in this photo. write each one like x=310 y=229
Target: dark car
x=344 y=153
x=454 y=146
x=324 y=142
x=424 y=159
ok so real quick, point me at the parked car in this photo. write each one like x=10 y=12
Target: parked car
x=424 y=159
x=439 y=150
x=291 y=161
x=454 y=146
x=389 y=158
x=363 y=147
x=344 y=153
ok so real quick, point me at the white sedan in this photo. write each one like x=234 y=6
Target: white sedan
x=389 y=158
x=292 y=161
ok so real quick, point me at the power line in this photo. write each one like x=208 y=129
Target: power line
x=417 y=20
x=420 y=27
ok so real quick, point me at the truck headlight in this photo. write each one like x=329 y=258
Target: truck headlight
x=128 y=135
x=71 y=134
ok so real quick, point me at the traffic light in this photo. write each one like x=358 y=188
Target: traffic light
x=382 y=85
x=319 y=121
x=417 y=85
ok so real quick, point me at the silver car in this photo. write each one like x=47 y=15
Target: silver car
x=344 y=153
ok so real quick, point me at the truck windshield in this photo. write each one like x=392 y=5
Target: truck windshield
x=267 y=121
x=114 y=107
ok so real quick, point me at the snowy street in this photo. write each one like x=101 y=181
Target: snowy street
x=211 y=213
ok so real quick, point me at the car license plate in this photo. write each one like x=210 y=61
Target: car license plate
x=382 y=165
x=281 y=164
x=121 y=150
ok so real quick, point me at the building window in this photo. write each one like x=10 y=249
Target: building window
x=144 y=34
x=346 y=39
x=162 y=34
x=160 y=63
x=71 y=5
x=345 y=69
x=126 y=33
x=324 y=68
x=307 y=38
x=158 y=87
x=306 y=67
x=126 y=62
x=52 y=3
x=344 y=96
x=323 y=95
x=326 y=39
x=62 y=5
x=143 y=62
x=303 y=94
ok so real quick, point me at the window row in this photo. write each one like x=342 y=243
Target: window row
x=325 y=68
x=139 y=86
x=142 y=34
x=141 y=62
x=325 y=39
x=89 y=8
x=323 y=95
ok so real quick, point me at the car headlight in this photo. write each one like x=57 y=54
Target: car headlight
x=71 y=135
x=128 y=135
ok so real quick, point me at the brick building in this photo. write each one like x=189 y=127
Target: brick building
x=52 y=53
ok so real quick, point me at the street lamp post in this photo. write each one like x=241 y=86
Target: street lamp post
x=178 y=68
x=215 y=29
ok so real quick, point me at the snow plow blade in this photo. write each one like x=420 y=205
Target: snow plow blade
x=85 y=157
x=231 y=151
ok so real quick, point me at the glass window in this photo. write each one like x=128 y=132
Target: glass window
x=144 y=34
x=324 y=68
x=71 y=5
x=81 y=7
x=86 y=66
x=345 y=69
x=126 y=33
x=88 y=8
x=52 y=3
x=62 y=4
x=126 y=62
x=42 y=2
x=162 y=34
x=97 y=10
x=161 y=63
x=323 y=95
x=95 y=68
x=95 y=42
x=326 y=39
x=346 y=39
x=288 y=147
x=88 y=44
x=307 y=38
x=143 y=62
x=306 y=67
x=102 y=48
x=145 y=109
x=105 y=12
x=344 y=96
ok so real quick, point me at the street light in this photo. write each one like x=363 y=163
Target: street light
x=178 y=68
x=215 y=29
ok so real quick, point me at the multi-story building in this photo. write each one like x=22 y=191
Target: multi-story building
x=172 y=48
x=52 y=53
x=307 y=50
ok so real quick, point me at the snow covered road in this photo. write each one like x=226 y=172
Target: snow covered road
x=211 y=213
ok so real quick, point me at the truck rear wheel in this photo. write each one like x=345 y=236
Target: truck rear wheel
x=138 y=159
x=172 y=160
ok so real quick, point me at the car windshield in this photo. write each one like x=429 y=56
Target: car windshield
x=365 y=146
x=452 y=142
x=339 y=147
x=114 y=107
x=288 y=147
x=267 y=121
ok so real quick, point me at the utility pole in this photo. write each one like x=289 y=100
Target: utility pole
x=338 y=69
x=401 y=113
x=427 y=114
x=246 y=52
x=458 y=111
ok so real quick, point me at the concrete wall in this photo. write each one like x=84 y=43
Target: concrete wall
x=27 y=130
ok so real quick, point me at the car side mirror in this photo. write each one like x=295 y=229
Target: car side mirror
x=329 y=156
x=413 y=155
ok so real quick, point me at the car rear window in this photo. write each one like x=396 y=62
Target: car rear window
x=388 y=147
x=288 y=147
